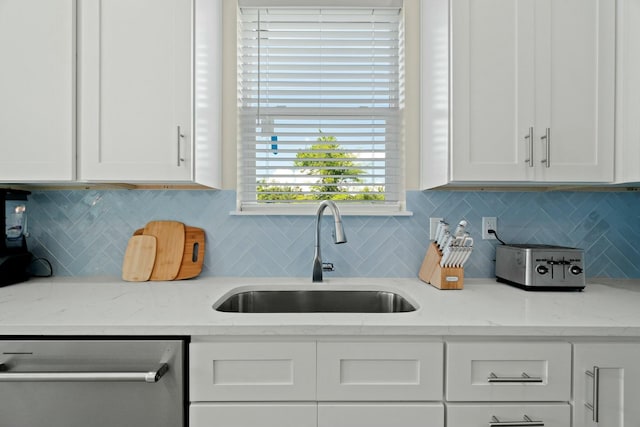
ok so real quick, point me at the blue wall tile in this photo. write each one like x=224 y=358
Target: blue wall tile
x=85 y=232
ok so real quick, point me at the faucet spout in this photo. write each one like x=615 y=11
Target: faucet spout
x=339 y=236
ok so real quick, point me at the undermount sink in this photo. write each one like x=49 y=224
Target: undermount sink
x=314 y=301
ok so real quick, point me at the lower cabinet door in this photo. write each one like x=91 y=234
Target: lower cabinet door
x=252 y=371
x=511 y=414
x=606 y=384
x=380 y=414
x=253 y=415
x=381 y=371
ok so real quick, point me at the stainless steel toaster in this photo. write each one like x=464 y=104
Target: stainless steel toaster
x=540 y=267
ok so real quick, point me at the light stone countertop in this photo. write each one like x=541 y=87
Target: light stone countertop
x=109 y=306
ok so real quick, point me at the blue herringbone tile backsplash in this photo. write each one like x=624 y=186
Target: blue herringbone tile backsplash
x=85 y=233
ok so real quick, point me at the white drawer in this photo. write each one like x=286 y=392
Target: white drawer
x=253 y=415
x=497 y=371
x=252 y=371
x=380 y=415
x=483 y=415
x=391 y=371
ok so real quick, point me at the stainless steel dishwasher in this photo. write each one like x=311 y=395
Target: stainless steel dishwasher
x=88 y=382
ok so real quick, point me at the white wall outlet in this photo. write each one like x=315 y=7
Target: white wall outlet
x=489 y=223
x=433 y=226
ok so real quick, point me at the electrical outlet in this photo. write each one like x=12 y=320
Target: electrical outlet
x=489 y=223
x=433 y=226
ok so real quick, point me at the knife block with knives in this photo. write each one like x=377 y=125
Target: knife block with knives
x=164 y=250
x=443 y=265
x=440 y=277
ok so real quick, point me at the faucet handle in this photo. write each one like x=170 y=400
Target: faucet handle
x=328 y=266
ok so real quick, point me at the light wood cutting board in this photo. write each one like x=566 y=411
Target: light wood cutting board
x=139 y=259
x=169 y=249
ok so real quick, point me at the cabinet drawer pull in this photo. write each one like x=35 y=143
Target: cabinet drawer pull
x=529 y=137
x=595 y=406
x=546 y=138
x=493 y=378
x=495 y=422
x=180 y=136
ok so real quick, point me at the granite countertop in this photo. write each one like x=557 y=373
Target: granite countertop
x=109 y=306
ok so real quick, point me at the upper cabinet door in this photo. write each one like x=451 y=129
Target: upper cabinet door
x=531 y=91
x=627 y=162
x=135 y=103
x=37 y=90
x=575 y=90
x=492 y=89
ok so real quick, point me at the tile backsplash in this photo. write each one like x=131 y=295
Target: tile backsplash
x=85 y=232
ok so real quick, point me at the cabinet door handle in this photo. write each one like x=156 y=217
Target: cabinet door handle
x=495 y=422
x=546 y=138
x=524 y=378
x=180 y=136
x=529 y=137
x=594 y=407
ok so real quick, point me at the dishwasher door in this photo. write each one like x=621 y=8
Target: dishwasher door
x=81 y=383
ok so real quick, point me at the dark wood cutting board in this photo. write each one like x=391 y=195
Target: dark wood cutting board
x=193 y=256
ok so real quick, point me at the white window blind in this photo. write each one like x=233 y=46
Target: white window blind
x=320 y=101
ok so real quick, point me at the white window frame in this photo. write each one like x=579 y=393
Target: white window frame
x=396 y=208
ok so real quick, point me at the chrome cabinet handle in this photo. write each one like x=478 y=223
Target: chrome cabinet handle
x=495 y=422
x=529 y=137
x=180 y=136
x=546 y=138
x=595 y=406
x=151 y=376
x=493 y=378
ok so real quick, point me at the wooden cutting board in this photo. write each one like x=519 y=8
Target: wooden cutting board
x=139 y=259
x=169 y=248
x=193 y=256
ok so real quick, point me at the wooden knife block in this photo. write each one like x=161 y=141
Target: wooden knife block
x=440 y=277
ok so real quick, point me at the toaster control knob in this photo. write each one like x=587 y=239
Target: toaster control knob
x=542 y=269
x=575 y=270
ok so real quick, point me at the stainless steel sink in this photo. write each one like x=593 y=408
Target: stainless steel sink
x=315 y=301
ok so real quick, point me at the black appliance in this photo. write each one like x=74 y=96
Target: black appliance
x=14 y=255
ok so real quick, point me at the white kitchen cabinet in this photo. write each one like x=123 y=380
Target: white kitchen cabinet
x=137 y=115
x=381 y=383
x=37 y=90
x=253 y=371
x=508 y=371
x=530 y=97
x=253 y=415
x=474 y=415
x=628 y=92
x=487 y=381
x=381 y=371
x=606 y=384
x=380 y=414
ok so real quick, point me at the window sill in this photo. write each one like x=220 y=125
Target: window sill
x=345 y=210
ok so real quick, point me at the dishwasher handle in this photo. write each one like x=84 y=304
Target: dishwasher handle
x=151 y=376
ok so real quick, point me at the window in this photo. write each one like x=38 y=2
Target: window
x=320 y=103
